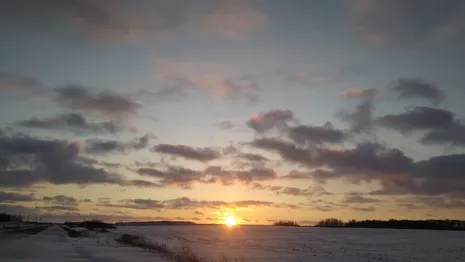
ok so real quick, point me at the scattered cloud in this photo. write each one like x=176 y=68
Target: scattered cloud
x=98 y=146
x=31 y=161
x=191 y=153
x=357 y=198
x=225 y=125
x=316 y=135
x=202 y=76
x=11 y=197
x=412 y=88
x=61 y=199
x=313 y=191
x=75 y=122
x=417 y=118
x=268 y=120
x=101 y=103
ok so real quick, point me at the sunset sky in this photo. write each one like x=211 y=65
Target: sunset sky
x=262 y=110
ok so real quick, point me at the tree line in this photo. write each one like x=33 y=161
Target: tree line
x=395 y=224
x=5 y=217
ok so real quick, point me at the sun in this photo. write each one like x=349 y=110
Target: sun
x=230 y=221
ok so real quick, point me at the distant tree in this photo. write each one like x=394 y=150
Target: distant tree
x=286 y=223
x=330 y=222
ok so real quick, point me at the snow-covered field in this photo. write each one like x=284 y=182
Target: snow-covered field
x=258 y=243
x=253 y=243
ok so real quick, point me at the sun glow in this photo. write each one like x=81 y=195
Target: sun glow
x=230 y=221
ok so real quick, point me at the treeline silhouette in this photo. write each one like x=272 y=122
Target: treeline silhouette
x=5 y=217
x=395 y=224
x=286 y=223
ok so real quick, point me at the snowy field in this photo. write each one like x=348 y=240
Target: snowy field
x=253 y=243
x=258 y=243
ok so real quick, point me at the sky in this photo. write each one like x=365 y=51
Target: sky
x=263 y=110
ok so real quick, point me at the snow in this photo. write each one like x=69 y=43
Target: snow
x=273 y=244
x=53 y=245
x=253 y=243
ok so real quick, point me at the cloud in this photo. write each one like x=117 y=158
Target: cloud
x=357 y=198
x=106 y=103
x=191 y=153
x=417 y=118
x=313 y=191
x=174 y=175
x=454 y=135
x=75 y=122
x=227 y=124
x=165 y=94
x=13 y=82
x=268 y=120
x=184 y=177
x=106 y=21
x=361 y=119
x=316 y=135
x=33 y=161
x=367 y=92
x=61 y=199
x=417 y=88
x=252 y=157
x=188 y=203
x=202 y=76
x=228 y=177
x=408 y=22
x=365 y=162
x=364 y=209
x=98 y=146
x=11 y=197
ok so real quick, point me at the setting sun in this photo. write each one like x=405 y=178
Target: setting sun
x=230 y=221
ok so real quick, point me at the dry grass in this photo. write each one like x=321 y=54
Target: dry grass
x=183 y=254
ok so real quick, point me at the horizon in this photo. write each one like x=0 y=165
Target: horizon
x=253 y=110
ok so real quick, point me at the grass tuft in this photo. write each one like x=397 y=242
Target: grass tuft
x=183 y=254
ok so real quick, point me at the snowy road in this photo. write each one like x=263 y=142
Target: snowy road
x=53 y=245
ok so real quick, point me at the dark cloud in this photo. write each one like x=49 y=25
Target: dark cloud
x=365 y=162
x=180 y=176
x=361 y=119
x=252 y=157
x=198 y=154
x=268 y=120
x=411 y=88
x=59 y=208
x=60 y=199
x=98 y=146
x=286 y=150
x=106 y=103
x=316 y=135
x=418 y=118
x=188 y=203
x=33 y=161
x=174 y=175
x=357 y=198
x=408 y=22
x=11 y=197
x=228 y=177
x=75 y=122
x=453 y=135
